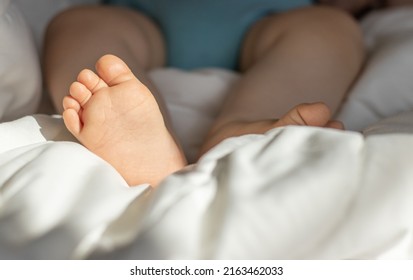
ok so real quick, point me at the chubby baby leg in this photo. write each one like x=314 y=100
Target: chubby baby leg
x=307 y=55
x=306 y=114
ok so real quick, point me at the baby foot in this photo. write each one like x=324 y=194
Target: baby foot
x=116 y=117
x=314 y=114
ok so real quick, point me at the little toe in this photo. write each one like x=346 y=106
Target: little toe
x=113 y=70
x=312 y=114
x=91 y=80
x=72 y=121
x=335 y=124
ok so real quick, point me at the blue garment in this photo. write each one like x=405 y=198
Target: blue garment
x=207 y=33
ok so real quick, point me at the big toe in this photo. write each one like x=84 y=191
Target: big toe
x=113 y=70
x=312 y=114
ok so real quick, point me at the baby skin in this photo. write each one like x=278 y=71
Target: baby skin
x=116 y=117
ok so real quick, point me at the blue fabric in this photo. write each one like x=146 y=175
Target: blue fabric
x=207 y=33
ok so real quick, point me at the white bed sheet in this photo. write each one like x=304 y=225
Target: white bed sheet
x=296 y=192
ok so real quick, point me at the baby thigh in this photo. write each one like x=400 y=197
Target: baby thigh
x=76 y=38
x=305 y=55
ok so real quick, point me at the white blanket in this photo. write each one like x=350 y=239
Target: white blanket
x=296 y=192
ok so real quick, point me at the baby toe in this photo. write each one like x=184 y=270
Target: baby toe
x=72 y=121
x=91 y=80
x=113 y=70
x=71 y=103
x=80 y=93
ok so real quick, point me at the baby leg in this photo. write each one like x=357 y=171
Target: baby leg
x=78 y=37
x=116 y=117
x=302 y=56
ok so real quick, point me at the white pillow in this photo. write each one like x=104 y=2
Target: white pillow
x=38 y=13
x=20 y=78
x=385 y=87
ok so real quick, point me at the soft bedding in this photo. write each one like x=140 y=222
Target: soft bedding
x=20 y=80
x=295 y=192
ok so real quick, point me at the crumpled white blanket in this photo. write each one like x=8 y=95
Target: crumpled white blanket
x=296 y=192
